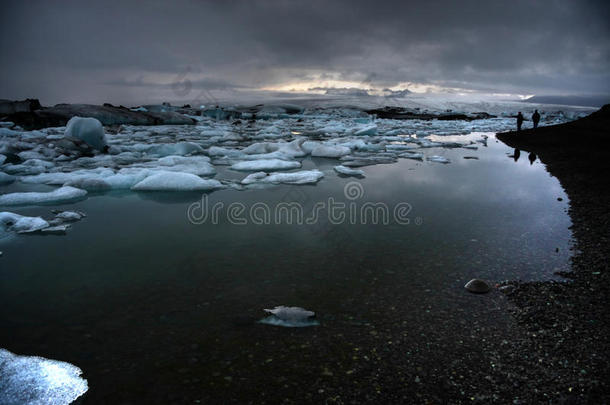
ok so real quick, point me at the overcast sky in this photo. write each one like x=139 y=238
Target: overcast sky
x=132 y=52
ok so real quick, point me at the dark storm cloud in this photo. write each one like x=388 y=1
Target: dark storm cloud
x=79 y=51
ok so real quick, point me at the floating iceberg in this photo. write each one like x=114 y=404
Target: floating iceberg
x=36 y=380
x=301 y=177
x=290 y=317
x=266 y=164
x=10 y=222
x=176 y=181
x=346 y=171
x=412 y=155
x=330 y=151
x=88 y=130
x=438 y=159
x=366 y=130
x=57 y=196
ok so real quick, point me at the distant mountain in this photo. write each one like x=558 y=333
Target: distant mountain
x=585 y=101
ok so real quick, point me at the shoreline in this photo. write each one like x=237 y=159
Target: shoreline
x=566 y=322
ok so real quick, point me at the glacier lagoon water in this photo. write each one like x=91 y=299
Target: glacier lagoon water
x=150 y=305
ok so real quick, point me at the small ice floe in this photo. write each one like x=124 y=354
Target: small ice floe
x=36 y=380
x=346 y=171
x=57 y=196
x=412 y=155
x=301 y=177
x=89 y=130
x=470 y=146
x=330 y=151
x=477 y=286
x=366 y=130
x=15 y=223
x=290 y=317
x=438 y=159
x=266 y=164
x=176 y=181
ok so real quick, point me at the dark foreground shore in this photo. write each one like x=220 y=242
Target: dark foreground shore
x=568 y=323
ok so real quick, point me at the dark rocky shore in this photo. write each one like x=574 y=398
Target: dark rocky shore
x=567 y=323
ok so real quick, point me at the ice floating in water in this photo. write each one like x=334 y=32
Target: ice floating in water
x=176 y=181
x=346 y=171
x=57 y=196
x=266 y=164
x=438 y=159
x=301 y=177
x=36 y=380
x=11 y=222
x=412 y=155
x=330 y=151
x=366 y=130
x=89 y=130
x=290 y=317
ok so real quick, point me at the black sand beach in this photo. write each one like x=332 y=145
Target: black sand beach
x=567 y=323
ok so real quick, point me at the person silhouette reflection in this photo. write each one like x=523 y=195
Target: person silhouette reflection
x=517 y=154
x=532 y=158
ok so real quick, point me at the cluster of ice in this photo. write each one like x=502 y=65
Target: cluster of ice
x=300 y=177
x=15 y=223
x=36 y=380
x=193 y=157
x=57 y=196
x=291 y=317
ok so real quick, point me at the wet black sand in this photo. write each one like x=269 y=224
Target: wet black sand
x=567 y=324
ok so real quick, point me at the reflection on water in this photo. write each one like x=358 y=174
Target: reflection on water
x=135 y=291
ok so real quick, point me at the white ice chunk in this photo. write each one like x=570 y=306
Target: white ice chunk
x=2 y=159
x=176 y=181
x=366 y=130
x=438 y=159
x=179 y=148
x=60 y=195
x=301 y=177
x=37 y=381
x=412 y=155
x=220 y=151
x=266 y=164
x=89 y=130
x=70 y=216
x=346 y=171
x=291 y=317
x=197 y=165
x=10 y=222
x=330 y=151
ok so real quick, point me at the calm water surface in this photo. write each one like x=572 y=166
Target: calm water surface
x=150 y=305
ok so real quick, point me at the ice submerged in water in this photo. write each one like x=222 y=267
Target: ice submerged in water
x=300 y=177
x=290 y=317
x=57 y=196
x=36 y=380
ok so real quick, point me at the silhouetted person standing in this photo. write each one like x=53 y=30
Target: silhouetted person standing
x=536 y=119
x=517 y=154
x=532 y=157
x=519 y=121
